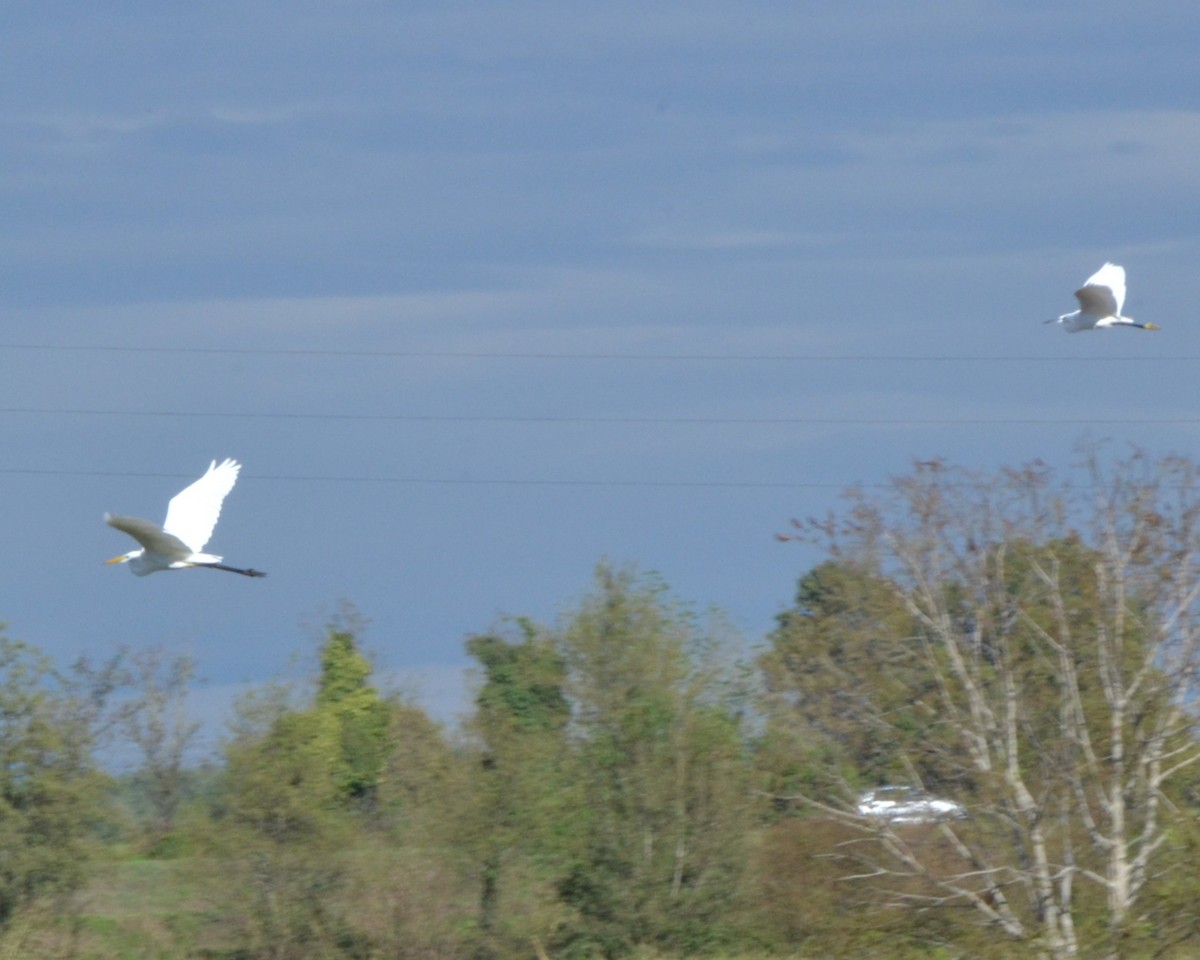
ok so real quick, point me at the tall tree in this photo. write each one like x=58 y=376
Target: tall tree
x=158 y=725
x=523 y=800
x=290 y=762
x=1058 y=635
x=50 y=787
x=355 y=708
x=298 y=774
x=847 y=620
x=662 y=767
x=276 y=869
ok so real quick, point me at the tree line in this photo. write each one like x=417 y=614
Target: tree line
x=633 y=781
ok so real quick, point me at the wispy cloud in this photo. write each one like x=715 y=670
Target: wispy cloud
x=725 y=241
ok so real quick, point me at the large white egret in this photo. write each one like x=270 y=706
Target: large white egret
x=191 y=516
x=1100 y=301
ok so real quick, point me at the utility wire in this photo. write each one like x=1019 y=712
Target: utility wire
x=450 y=481
x=490 y=481
x=549 y=355
x=718 y=421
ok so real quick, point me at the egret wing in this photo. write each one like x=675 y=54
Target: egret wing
x=150 y=535
x=192 y=513
x=1103 y=294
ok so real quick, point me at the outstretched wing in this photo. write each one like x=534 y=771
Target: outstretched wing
x=1103 y=294
x=192 y=513
x=152 y=537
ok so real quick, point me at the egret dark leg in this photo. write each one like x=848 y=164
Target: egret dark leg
x=244 y=573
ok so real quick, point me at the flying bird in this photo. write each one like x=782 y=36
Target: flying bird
x=1100 y=301
x=191 y=516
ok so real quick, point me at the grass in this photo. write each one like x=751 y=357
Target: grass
x=130 y=910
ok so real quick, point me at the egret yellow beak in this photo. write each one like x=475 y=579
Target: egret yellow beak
x=121 y=559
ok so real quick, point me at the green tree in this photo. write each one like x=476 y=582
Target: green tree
x=355 y=709
x=157 y=724
x=413 y=887
x=667 y=799
x=277 y=864
x=330 y=751
x=524 y=804
x=51 y=793
x=298 y=776
x=524 y=682
x=846 y=621
x=422 y=770
x=280 y=768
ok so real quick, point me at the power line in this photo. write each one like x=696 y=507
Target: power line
x=549 y=355
x=607 y=420
x=450 y=481
x=492 y=481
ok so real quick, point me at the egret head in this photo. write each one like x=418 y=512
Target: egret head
x=139 y=563
x=126 y=557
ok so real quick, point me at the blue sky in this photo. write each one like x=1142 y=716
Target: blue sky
x=482 y=294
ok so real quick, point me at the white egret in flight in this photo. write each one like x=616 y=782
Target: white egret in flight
x=191 y=516
x=1100 y=301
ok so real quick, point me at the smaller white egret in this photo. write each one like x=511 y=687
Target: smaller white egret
x=1100 y=301
x=191 y=516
